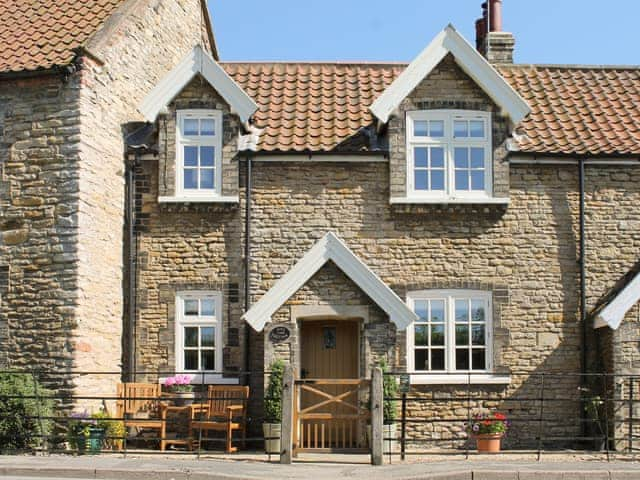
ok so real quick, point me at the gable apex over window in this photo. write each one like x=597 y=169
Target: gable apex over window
x=471 y=62
x=197 y=62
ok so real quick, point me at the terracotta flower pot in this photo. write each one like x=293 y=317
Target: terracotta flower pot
x=488 y=442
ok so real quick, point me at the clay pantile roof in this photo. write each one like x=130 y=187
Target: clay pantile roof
x=314 y=107
x=39 y=34
x=319 y=107
x=578 y=110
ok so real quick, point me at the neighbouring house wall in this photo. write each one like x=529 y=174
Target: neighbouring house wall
x=447 y=87
x=137 y=53
x=39 y=151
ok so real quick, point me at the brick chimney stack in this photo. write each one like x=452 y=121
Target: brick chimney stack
x=494 y=44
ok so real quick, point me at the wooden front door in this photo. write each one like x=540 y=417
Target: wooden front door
x=329 y=349
x=329 y=402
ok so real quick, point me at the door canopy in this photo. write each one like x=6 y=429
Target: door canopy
x=330 y=247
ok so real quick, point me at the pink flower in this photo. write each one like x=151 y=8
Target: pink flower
x=169 y=382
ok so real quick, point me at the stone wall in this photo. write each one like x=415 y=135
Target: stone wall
x=447 y=87
x=137 y=53
x=39 y=151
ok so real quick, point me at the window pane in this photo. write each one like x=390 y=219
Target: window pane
x=208 y=307
x=478 y=359
x=420 y=128
x=208 y=359
x=477 y=180
x=462 y=359
x=477 y=335
x=206 y=178
x=476 y=128
x=462 y=180
x=421 y=359
x=437 y=311
x=437 y=180
x=420 y=180
x=420 y=307
x=420 y=157
x=206 y=156
x=462 y=335
x=436 y=128
x=190 y=336
x=461 y=157
x=191 y=307
x=191 y=360
x=477 y=157
x=207 y=126
x=207 y=337
x=437 y=359
x=437 y=157
x=190 y=156
x=462 y=311
x=191 y=126
x=190 y=178
x=421 y=336
x=477 y=311
x=437 y=335
x=460 y=129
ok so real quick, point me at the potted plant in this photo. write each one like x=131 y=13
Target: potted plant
x=488 y=429
x=594 y=412
x=84 y=434
x=389 y=407
x=271 y=427
x=179 y=389
x=114 y=429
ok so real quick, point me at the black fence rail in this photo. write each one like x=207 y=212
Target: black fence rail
x=545 y=413
x=79 y=412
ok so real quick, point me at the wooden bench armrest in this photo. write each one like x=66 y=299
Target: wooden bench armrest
x=235 y=407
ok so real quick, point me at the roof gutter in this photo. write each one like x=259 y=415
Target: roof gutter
x=572 y=159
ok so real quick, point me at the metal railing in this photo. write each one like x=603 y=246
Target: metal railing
x=83 y=416
x=547 y=413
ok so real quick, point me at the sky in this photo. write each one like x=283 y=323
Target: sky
x=546 y=31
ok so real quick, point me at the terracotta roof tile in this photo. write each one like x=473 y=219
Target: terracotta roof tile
x=323 y=107
x=38 y=34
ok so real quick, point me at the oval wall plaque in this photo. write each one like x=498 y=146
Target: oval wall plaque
x=279 y=334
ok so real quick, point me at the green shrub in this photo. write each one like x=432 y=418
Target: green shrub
x=389 y=391
x=273 y=396
x=114 y=429
x=20 y=427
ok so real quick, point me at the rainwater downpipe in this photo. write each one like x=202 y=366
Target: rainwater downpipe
x=583 y=297
x=131 y=290
x=247 y=266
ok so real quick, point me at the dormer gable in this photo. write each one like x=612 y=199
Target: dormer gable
x=449 y=41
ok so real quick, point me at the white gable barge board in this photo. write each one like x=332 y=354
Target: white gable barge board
x=613 y=314
x=197 y=61
x=329 y=247
x=473 y=64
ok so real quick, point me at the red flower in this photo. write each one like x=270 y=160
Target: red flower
x=500 y=416
x=487 y=422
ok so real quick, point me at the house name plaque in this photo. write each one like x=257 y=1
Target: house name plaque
x=279 y=334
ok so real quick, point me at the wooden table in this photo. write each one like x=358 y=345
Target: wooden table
x=166 y=409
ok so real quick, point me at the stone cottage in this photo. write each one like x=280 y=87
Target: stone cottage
x=466 y=218
x=71 y=74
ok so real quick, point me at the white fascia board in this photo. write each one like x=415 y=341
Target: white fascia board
x=613 y=314
x=197 y=61
x=329 y=247
x=474 y=64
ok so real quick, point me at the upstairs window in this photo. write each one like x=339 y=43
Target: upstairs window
x=199 y=153
x=449 y=154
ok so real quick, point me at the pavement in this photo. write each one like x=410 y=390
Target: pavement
x=318 y=467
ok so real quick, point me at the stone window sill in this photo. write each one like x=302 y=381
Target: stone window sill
x=209 y=379
x=449 y=201
x=182 y=199
x=459 y=379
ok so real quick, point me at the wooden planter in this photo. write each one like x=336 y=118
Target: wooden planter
x=488 y=442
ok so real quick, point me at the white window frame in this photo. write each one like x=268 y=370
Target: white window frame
x=450 y=375
x=182 y=322
x=199 y=141
x=448 y=142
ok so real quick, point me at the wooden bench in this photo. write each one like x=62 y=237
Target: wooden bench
x=224 y=411
x=139 y=406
